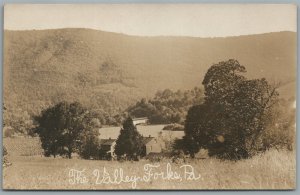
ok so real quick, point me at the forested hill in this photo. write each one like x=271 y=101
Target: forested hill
x=109 y=71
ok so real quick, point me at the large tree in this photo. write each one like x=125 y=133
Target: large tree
x=130 y=141
x=234 y=113
x=60 y=127
x=89 y=142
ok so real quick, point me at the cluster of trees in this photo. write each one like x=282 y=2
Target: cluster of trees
x=67 y=128
x=234 y=115
x=167 y=106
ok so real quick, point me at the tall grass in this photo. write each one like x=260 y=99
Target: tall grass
x=272 y=170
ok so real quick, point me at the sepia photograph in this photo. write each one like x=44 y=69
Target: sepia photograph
x=149 y=97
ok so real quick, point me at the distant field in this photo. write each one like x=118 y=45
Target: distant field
x=145 y=130
x=273 y=170
x=23 y=146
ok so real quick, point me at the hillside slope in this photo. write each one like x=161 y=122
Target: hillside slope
x=109 y=71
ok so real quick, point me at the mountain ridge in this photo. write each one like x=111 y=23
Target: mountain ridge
x=148 y=36
x=110 y=71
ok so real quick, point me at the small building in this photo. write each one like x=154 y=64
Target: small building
x=151 y=145
x=108 y=148
x=139 y=121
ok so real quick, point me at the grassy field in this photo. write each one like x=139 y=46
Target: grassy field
x=272 y=170
x=144 y=130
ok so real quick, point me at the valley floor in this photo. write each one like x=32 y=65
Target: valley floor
x=272 y=170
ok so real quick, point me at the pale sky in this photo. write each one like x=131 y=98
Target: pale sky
x=198 y=20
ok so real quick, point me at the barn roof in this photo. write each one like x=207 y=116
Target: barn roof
x=146 y=140
x=142 y=118
x=107 y=142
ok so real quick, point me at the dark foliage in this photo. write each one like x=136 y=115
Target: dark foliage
x=89 y=143
x=59 y=128
x=234 y=114
x=167 y=106
x=129 y=142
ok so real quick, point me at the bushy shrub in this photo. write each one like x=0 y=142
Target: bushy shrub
x=5 y=159
x=90 y=146
x=89 y=142
x=280 y=133
x=4 y=151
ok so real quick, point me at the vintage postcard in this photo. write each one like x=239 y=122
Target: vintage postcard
x=149 y=96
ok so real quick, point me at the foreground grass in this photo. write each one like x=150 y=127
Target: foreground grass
x=272 y=170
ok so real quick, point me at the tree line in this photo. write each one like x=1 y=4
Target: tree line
x=233 y=118
x=167 y=106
